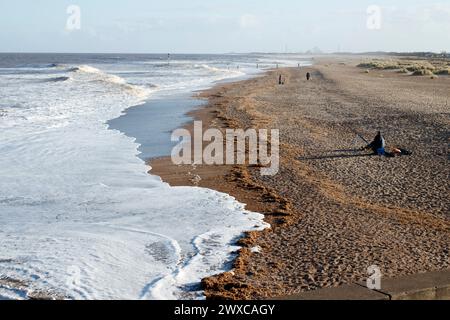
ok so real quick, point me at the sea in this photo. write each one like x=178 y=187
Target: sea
x=80 y=216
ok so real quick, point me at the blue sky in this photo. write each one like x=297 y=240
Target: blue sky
x=219 y=26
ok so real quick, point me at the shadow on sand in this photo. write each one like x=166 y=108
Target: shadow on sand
x=342 y=154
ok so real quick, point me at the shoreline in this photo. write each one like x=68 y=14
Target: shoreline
x=233 y=180
x=165 y=112
x=234 y=105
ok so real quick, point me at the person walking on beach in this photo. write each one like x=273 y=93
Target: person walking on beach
x=308 y=76
x=280 y=80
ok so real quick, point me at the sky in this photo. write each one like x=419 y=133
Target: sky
x=222 y=26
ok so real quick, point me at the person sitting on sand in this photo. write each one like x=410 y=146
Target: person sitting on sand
x=308 y=76
x=378 y=145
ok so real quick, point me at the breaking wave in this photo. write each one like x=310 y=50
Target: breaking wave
x=85 y=69
x=58 y=79
x=218 y=70
x=96 y=75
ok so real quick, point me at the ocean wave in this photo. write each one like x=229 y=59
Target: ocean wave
x=121 y=83
x=214 y=69
x=36 y=66
x=85 y=69
x=109 y=79
x=217 y=70
x=58 y=79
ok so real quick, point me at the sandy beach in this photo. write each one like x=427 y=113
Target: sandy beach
x=334 y=210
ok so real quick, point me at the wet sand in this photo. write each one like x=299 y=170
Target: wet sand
x=334 y=210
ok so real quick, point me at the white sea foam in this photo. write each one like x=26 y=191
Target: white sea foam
x=80 y=217
x=228 y=71
x=85 y=68
x=95 y=74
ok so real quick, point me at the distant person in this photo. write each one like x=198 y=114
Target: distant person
x=378 y=145
x=280 y=80
x=308 y=76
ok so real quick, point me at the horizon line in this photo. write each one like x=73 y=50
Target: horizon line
x=308 y=52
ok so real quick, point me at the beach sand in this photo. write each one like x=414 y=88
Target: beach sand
x=334 y=210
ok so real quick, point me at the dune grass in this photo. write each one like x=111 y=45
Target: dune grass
x=407 y=66
x=444 y=71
